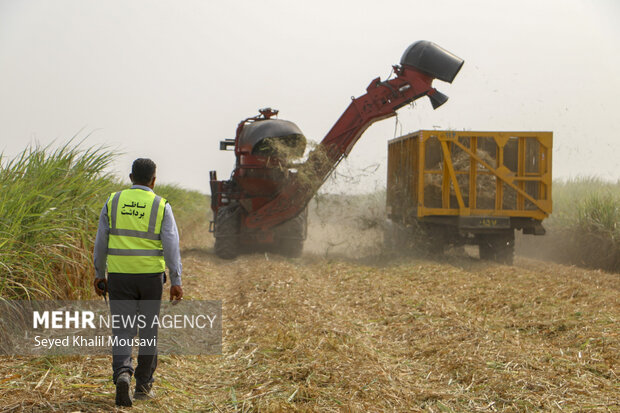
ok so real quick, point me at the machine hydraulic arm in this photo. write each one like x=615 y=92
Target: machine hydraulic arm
x=420 y=65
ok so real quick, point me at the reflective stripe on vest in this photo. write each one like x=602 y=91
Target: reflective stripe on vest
x=134 y=245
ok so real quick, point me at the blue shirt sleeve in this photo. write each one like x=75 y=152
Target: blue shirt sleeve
x=170 y=242
x=100 y=253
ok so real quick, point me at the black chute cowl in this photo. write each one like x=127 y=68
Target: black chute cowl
x=431 y=59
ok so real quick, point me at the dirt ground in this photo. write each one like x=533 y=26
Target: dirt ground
x=334 y=333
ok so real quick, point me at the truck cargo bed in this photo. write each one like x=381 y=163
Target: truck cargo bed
x=473 y=186
x=500 y=174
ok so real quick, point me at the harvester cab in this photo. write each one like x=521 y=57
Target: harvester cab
x=264 y=203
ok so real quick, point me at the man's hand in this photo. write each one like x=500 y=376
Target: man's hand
x=98 y=290
x=176 y=293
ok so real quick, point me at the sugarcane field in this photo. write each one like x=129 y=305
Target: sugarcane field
x=229 y=207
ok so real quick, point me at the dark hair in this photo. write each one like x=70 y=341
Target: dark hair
x=143 y=171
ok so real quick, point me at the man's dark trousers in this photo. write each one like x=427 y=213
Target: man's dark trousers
x=130 y=295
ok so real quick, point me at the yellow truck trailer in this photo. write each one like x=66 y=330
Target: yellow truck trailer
x=471 y=187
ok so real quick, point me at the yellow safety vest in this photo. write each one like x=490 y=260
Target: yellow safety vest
x=134 y=246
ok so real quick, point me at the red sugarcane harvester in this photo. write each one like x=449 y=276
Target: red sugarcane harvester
x=264 y=203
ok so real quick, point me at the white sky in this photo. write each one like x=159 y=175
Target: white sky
x=169 y=79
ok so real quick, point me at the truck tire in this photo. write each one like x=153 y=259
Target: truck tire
x=434 y=239
x=227 y=223
x=497 y=247
x=416 y=239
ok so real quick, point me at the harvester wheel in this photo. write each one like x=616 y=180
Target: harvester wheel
x=227 y=223
x=291 y=235
x=497 y=247
x=291 y=247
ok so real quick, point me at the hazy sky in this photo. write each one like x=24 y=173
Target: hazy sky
x=170 y=79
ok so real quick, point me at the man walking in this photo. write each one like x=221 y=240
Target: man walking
x=137 y=237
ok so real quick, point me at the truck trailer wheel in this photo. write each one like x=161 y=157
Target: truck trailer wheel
x=435 y=239
x=227 y=223
x=497 y=247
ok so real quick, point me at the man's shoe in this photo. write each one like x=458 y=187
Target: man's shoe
x=144 y=392
x=122 y=390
